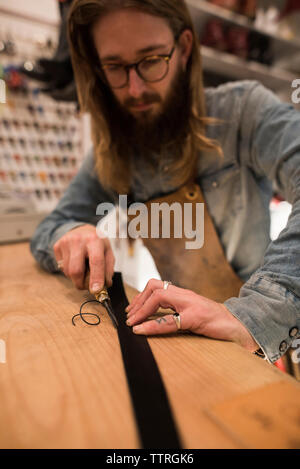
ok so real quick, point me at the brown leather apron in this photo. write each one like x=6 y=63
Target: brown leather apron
x=206 y=271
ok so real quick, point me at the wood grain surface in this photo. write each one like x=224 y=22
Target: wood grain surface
x=64 y=387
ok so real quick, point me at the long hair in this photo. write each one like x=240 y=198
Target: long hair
x=113 y=168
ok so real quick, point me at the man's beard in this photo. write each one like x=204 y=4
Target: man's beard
x=152 y=135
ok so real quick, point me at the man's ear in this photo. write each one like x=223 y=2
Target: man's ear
x=186 y=44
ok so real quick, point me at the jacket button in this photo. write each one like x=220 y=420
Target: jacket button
x=215 y=184
x=283 y=346
x=294 y=331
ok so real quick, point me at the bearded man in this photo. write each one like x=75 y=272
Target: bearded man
x=155 y=128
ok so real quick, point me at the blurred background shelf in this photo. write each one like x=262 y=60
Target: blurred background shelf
x=202 y=10
x=231 y=66
x=19 y=226
x=234 y=48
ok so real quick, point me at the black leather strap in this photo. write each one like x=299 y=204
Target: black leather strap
x=154 y=418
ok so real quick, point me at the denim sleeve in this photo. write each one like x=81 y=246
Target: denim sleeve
x=269 y=303
x=77 y=207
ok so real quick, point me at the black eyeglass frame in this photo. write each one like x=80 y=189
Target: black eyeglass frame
x=127 y=68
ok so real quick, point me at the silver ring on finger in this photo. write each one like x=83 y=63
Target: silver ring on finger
x=60 y=265
x=166 y=284
x=177 y=320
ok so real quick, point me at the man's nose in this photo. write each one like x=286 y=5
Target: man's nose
x=136 y=86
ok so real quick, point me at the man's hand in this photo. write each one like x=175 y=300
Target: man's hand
x=72 y=250
x=197 y=314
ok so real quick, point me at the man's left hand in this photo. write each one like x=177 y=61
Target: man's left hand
x=198 y=315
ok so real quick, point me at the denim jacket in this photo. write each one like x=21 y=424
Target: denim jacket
x=260 y=137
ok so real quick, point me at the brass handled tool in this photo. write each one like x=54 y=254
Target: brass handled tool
x=101 y=297
x=104 y=299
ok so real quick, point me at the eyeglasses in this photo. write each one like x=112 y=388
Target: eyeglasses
x=151 y=69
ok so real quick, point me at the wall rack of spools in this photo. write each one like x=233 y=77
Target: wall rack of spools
x=41 y=140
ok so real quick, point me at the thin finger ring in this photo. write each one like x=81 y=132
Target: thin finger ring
x=60 y=264
x=166 y=284
x=177 y=320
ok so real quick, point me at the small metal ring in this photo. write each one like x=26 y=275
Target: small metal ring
x=177 y=320
x=166 y=284
x=192 y=193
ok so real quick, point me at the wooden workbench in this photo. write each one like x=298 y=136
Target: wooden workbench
x=65 y=387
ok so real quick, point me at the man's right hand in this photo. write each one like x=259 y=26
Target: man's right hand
x=72 y=250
